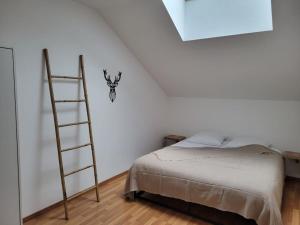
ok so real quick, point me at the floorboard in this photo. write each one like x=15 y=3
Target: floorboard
x=115 y=210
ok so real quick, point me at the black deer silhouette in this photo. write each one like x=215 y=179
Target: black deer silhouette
x=112 y=85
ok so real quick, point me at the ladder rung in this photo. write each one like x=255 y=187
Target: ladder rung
x=81 y=193
x=66 y=77
x=69 y=101
x=76 y=171
x=76 y=147
x=73 y=124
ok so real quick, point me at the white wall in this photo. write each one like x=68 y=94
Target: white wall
x=276 y=121
x=123 y=131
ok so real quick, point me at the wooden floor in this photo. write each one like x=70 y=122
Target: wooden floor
x=115 y=210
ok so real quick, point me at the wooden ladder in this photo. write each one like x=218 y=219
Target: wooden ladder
x=58 y=126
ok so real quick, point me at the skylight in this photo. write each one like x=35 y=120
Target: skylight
x=201 y=19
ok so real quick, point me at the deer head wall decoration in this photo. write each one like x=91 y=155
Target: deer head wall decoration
x=112 y=85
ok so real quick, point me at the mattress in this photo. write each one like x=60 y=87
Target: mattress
x=247 y=180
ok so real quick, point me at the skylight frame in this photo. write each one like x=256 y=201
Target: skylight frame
x=228 y=17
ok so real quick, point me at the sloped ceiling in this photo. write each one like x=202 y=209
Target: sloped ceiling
x=253 y=66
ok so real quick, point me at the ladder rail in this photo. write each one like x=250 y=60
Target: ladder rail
x=81 y=62
x=57 y=133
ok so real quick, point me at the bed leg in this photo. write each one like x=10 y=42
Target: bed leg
x=131 y=196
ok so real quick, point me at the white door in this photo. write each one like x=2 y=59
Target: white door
x=9 y=166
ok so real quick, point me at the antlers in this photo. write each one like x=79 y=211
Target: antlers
x=117 y=79
x=107 y=77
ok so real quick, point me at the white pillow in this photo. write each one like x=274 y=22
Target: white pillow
x=188 y=144
x=207 y=138
x=236 y=142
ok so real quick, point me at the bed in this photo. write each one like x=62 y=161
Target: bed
x=246 y=180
